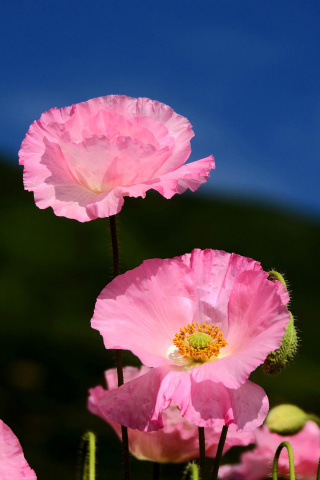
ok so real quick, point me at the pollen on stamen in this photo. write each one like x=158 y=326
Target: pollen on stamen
x=199 y=342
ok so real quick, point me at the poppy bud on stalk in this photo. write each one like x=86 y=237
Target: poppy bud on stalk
x=278 y=359
x=286 y=419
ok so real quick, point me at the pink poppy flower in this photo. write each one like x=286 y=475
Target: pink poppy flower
x=177 y=441
x=13 y=465
x=204 y=322
x=257 y=464
x=82 y=160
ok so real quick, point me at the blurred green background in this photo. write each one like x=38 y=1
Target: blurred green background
x=54 y=268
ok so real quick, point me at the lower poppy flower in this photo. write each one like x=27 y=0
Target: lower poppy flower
x=177 y=441
x=204 y=321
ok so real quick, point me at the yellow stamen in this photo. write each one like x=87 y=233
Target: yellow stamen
x=200 y=342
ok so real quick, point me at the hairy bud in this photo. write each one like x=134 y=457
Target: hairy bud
x=286 y=419
x=278 y=359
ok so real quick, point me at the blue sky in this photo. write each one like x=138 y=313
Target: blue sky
x=246 y=75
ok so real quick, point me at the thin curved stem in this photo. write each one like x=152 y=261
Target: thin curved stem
x=202 y=452
x=116 y=271
x=217 y=460
x=276 y=459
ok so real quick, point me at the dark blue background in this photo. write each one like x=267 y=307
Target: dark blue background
x=246 y=75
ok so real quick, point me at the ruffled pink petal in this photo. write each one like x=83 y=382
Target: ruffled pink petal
x=13 y=465
x=177 y=441
x=209 y=404
x=257 y=319
x=139 y=403
x=143 y=309
x=191 y=176
x=215 y=272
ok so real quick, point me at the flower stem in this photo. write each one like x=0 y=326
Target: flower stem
x=217 y=460
x=156 y=471
x=202 y=452
x=276 y=459
x=116 y=271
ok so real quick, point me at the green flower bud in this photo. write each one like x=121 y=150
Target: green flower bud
x=279 y=359
x=286 y=419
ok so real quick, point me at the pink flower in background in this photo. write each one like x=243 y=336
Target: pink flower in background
x=177 y=441
x=257 y=464
x=204 y=322
x=82 y=160
x=13 y=465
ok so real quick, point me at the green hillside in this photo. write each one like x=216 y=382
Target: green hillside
x=54 y=268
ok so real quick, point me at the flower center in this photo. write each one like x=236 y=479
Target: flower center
x=199 y=342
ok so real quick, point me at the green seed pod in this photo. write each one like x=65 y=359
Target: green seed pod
x=199 y=340
x=286 y=419
x=279 y=359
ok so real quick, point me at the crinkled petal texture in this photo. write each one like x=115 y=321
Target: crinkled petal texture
x=257 y=464
x=139 y=404
x=82 y=160
x=142 y=311
x=13 y=465
x=176 y=442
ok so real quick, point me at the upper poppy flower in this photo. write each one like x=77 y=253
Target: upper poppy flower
x=177 y=442
x=204 y=321
x=257 y=464
x=82 y=160
x=13 y=465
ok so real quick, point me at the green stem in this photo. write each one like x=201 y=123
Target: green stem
x=276 y=459
x=116 y=271
x=156 y=471
x=88 y=457
x=202 y=452
x=217 y=460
